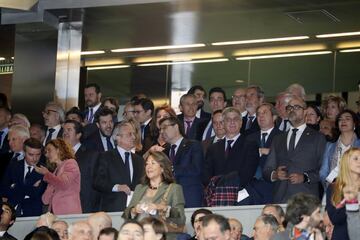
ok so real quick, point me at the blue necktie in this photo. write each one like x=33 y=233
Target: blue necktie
x=49 y=136
x=263 y=141
x=127 y=166
x=172 y=153
x=91 y=115
x=249 y=122
x=27 y=176
x=109 y=144
x=15 y=157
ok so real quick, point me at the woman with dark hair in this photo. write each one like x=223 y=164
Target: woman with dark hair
x=159 y=113
x=63 y=191
x=158 y=195
x=154 y=228
x=346 y=122
x=313 y=117
x=349 y=175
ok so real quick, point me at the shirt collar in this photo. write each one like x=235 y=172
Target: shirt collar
x=95 y=108
x=189 y=119
x=57 y=128
x=21 y=155
x=76 y=147
x=198 y=113
x=2 y=233
x=147 y=122
x=122 y=151
x=244 y=113
x=301 y=127
x=234 y=138
x=267 y=131
x=178 y=142
x=5 y=131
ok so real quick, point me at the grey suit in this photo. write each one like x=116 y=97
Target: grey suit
x=306 y=158
x=175 y=200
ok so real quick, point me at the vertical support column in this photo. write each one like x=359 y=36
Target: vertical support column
x=67 y=78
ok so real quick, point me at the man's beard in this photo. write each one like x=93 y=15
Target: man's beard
x=200 y=105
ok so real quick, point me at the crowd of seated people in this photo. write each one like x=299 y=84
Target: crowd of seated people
x=247 y=151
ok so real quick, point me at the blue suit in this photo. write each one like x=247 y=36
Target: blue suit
x=22 y=193
x=188 y=166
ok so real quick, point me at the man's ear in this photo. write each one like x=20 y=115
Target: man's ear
x=227 y=234
x=97 y=124
x=181 y=108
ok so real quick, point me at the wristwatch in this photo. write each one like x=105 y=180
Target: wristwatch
x=306 y=178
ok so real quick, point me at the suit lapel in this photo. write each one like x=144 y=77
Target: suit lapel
x=160 y=192
x=303 y=138
x=182 y=147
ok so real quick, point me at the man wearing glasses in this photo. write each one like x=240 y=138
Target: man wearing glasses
x=143 y=110
x=295 y=156
x=53 y=115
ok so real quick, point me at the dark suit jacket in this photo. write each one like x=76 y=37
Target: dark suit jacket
x=205 y=116
x=60 y=133
x=94 y=142
x=148 y=140
x=253 y=127
x=206 y=143
x=188 y=166
x=15 y=189
x=197 y=128
x=307 y=157
x=243 y=158
x=7 y=236
x=5 y=159
x=90 y=198
x=5 y=147
x=110 y=170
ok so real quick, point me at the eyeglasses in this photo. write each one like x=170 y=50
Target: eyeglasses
x=48 y=111
x=290 y=108
x=126 y=112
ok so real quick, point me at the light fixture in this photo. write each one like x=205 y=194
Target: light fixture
x=179 y=57
x=137 y=49
x=344 y=34
x=102 y=62
x=239 y=81
x=2 y=58
x=12 y=58
x=184 y=62
x=350 y=50
x=92 y=52
x=108 y=67
x=280 y=49
x=284 y=55
x=260 y=40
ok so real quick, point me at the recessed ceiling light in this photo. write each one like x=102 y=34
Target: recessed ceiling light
x=2 y=58
x=107 y=67
x=260 y=40
x=239 y=81
x=344 y=34
x=184 y=62
x=92 y=52
x=137 y=49
x=284 y=55
x=350 y=50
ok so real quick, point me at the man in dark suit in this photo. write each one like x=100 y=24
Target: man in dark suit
x=217 y=100
x=118 y=170
x=143 y=111
x=86 y=159
x=53 y=115
x=239 y=100
x=231 y=154
x=92 y=95
x=282 y=100
x=259 y=190
x=187 y=158
x=17 y=135
x=5 y=116
x=22 y=185
x=7 y=219
x=193 y=126
x=254 y=97
x=101 y=139
x=218 y=126
x=200 y=95
x=295 y=156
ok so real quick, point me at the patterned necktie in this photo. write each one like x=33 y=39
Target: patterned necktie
x=188 y=127
x=49 y=136
x=91 y=115
x=127 y=166
x=27 y=175
x=228 y=148
x=172 y=153
x=249 y=122
x=263 y=139
x=109 y=144
x=292 y=139
x=15 y=157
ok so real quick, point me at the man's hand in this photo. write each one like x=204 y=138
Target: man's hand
x=264 y=151
x=296 y=178
x=280 y=173
x=124 y=188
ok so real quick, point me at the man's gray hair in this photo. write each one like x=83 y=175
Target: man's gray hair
x=59 y=109
x=20 y=130
x=270 y=220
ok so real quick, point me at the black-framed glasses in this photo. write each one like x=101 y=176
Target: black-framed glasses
x=290 y=108
x=48 y=111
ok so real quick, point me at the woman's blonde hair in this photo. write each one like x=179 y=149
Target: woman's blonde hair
x=344 y=177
